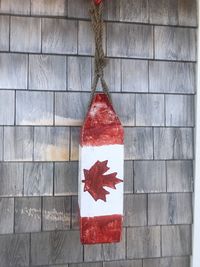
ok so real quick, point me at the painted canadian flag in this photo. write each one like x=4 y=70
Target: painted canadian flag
x=101 y=164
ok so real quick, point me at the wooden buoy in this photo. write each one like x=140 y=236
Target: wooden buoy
x=101 y=174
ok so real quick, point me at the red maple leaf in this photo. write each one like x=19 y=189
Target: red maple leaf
x=96 y=179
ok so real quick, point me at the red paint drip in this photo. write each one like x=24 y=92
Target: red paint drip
x=101 y=125
x=101 y=229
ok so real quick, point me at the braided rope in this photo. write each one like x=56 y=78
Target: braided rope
x=96 y=13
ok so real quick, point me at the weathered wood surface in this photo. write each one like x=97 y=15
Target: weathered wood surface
x=7 y=106
x=4 y=33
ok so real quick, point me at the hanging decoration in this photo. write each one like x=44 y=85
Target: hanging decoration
x=101 y=153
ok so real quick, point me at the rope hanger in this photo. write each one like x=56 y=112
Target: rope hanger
x=96 y=14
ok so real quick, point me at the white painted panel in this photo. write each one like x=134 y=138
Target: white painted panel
x=89 y=155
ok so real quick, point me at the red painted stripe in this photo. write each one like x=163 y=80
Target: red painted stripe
x=101 y=229
x=102 y=125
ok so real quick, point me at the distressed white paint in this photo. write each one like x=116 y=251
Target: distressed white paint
x=114 y=201
x=195 y=259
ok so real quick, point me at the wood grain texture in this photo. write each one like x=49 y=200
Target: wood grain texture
x=74 y=140
x=47 y=72
x=86 y=38
x=25 y=34
x=106 y=252
x=56 y=213
x=124 y=105
x=49 y=7
x=138 y=143
x=11 y=179
x=145 y=241
x=176 y=240
x=175 y=43
x=79 y=73
x=18 y=144
x=149 y=176
x=66 y=178
x=130 y=263
x=4 y=33
x=187 y=12
x=1 y=143
x=75 y=213
x=173 y=143
x=7 y=105
x=179 y=110
x=165 y=262
x=7 y=215
x=13 y=74
x=34 y=108
x=56 y=248
x=87 y=264
x=70 y=108
x=27 y=215
x=172 y=77
x=20 y=7
x=78 y=9
x=59 y=36
x=38 y=179
x=128 y=176
x=119 y=35
x=180 y=176
x=134 y=75
x=51 y=143
x=149 y=110
x=135 y=210
x=112 y=74
x=14 y=250
x=169 y=209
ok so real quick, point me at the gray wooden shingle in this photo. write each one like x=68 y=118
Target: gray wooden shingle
x=134 y=75
x=166 y=262
x=176 y=240
x=187 y=12
x=179 y=110
x=59 y=36
x=115 y=251
x=4 y=33
x=128 y=176
x=27 y=215
x=66 y=178
x=21 y=7
x=70 y=108
x=7 y=105
x=129 y=40
x=179 y=176
x=34 y=108
x=79 y=73
x=13 y=74
x=25 y=35
x=173 y=143
x=169 y=209
x=124 y=105
x=1 y=143
x=112 y=10
x=129 y=263
x=135 y=210
x=78 y=9
x=57 y=247
x=75 y=213
x=18 y=143
x=7 y=215
x=75 y=138
x=56 y=213
x=138 y=143
x=149 y=176
x=49 y=8
x=149 y=110
x=47 y=72
x=143 y=242
x=171 y=77
x=112 y=74
x=175 y=43
x=87 y=264
x=14 y=250
x=11 y=179
x=51 y=143
x=38 y=179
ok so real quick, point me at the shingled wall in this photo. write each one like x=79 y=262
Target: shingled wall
x=46 y=66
